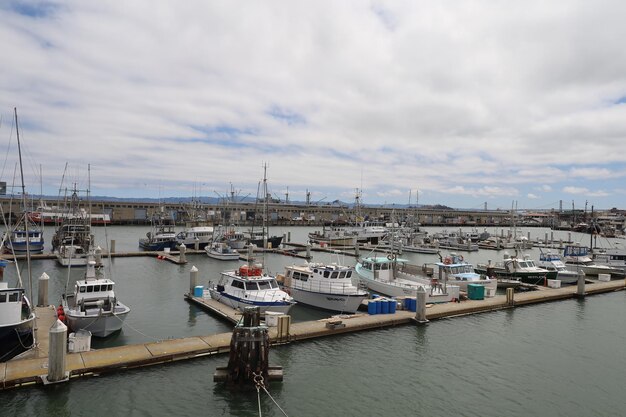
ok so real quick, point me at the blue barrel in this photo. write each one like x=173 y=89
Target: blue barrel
x=379 y=307
x=412 y=304
x=371 y=307
x=392 y=306
x=407 y=304
x=374 y=296
x=384 y=307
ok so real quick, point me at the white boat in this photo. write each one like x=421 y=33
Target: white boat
x=195 y=235
x=93 y=305
x=248 y=286
x=552 y=262
x=328 y=287
x=613 y=257
x=333 y=236
x=16 y=320
x=576 y=256
x=221 y=251
x=388 y=275
x=456 y=271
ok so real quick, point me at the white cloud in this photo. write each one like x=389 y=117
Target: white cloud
x=465 y=101
x=532 y=196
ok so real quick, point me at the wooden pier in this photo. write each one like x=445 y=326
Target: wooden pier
x=18 y=372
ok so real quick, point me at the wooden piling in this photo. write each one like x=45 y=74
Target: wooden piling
x=248 y=362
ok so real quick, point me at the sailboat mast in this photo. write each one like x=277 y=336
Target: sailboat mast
x=265 y=207
x=19 y=150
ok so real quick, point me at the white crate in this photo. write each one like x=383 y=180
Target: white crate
x=554 y=283
x=604 y=277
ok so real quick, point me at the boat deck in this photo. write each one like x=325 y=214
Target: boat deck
x=19 y=372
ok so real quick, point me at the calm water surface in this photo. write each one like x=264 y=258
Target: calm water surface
x=559 y=359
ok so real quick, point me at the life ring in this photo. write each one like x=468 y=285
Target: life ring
x=461 y=258
x=447 y=261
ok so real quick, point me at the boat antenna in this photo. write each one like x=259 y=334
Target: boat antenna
x=19 y=148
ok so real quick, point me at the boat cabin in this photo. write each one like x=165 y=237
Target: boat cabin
x=12 y=300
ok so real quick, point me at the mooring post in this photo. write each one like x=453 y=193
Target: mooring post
x=196 y=243
x=42 y=292
x=284 y=240
x=420 y=311
x=356 y=250
x=112 y=246
x=580 y=290
x=249 y=352
x=98 y=255
x=308 y=251
x=193 y=279
x=288 y=236
x=510 y=296
x=182 y=257
x=56 y=353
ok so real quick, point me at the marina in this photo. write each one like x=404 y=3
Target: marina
x=122 y=354
x=29 y=371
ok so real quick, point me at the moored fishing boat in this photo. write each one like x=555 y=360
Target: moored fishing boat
x=552 y=262
x=161 y=236
x=513 y=268
x=388 y=275
x=17 y=319
x=328 y=287
x=456 y=271
x=221 y=251
x=578 y=257
x=249 y=286
x=93 y=305
x=195 y=235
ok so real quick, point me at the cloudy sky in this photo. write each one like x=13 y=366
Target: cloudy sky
x=469 y=102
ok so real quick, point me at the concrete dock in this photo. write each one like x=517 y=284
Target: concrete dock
x=18 y=372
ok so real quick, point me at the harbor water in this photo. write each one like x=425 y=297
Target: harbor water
x=557 y=359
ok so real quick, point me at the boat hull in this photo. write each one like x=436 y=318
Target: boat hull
x=157 y=246
x=537 y=278
x=348 y=303
x=19 y=248
x=241 y=304
x=406 y=288
x=15 y=339
x=223 y=256
x=272 y=242
x=99 y=325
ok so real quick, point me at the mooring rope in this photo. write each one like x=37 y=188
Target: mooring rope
x=259 y=383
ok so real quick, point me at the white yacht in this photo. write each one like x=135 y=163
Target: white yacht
x=93 y=305
x=328 y=287
x=249 y=286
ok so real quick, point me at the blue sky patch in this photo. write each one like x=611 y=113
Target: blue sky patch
x=33 y=9
x=621 y=100
x=286 y=116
